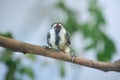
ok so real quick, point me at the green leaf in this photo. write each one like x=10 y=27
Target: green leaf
x=71 y=23
x=31 y=56
x=61 y=69
x=28 y=71
x=96 y=12
x=109 y=49
x=7 y=34
x=101 y=56
x=89 y=47
x=11 y=69
x=5 y=55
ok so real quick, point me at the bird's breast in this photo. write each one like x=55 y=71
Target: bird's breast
x=62 y=39
x=52 y=39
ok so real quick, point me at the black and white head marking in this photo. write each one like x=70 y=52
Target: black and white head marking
x=58 y=37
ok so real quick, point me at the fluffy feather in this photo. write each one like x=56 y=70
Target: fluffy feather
x=58 y=38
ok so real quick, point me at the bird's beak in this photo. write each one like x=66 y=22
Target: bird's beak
x=58 y=27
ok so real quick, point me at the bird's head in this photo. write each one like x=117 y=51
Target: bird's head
x=57 y=26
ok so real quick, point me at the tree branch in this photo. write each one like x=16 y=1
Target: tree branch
x=38 y=50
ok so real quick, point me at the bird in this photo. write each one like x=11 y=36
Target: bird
x=58 y=38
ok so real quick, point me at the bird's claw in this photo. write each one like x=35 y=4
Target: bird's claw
x=44 y=47
x=72 y=57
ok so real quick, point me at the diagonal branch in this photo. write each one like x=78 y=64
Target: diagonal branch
x=38 y=50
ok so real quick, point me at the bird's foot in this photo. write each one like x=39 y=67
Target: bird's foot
x=44 y=47
x=72 y=57
x=56 y=50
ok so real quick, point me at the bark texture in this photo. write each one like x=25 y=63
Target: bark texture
x=48 y=52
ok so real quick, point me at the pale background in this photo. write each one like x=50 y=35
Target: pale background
x=30 y=20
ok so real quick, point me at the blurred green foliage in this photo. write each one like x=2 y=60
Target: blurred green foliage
x=62 y=69
x=92 y=30
x=31 y=56
x=71 y=20
x=14 y=65
x=7 y=34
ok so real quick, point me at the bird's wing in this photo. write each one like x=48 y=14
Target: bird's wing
x=68 y=39
x=48 y=38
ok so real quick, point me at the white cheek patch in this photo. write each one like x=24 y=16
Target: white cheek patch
x=54 y=25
